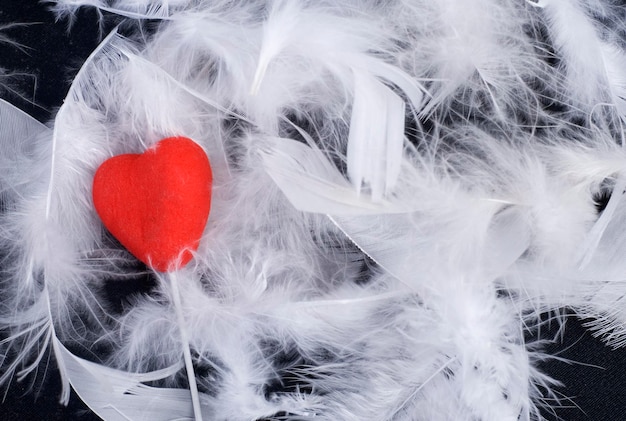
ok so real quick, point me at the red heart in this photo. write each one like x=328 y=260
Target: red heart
x=156 y=203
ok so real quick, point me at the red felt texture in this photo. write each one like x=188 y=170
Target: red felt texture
x=157 y=203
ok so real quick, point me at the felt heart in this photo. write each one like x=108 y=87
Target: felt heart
x=156 y=203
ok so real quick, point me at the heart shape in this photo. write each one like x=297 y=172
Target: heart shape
x=156 y=203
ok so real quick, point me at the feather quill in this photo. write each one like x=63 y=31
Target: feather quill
x=173 y=280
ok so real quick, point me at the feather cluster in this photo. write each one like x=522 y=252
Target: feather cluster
x=401 y=189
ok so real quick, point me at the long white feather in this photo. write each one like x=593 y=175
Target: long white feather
x=313 y=184
x=119 y=395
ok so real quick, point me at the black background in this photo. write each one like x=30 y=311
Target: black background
x=595 y=379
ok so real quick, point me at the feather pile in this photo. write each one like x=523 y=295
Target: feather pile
x=401 y=189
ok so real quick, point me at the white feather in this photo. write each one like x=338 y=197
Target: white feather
x=119 y=395
x=313 y=184
x=376 y=139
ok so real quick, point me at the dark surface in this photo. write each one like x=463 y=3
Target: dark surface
x=53 y=54
x=50 y=57
x=593 y=376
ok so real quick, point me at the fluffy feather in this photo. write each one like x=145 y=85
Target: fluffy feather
x=401 y=188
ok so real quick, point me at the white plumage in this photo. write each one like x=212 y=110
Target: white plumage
x=401 y=188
